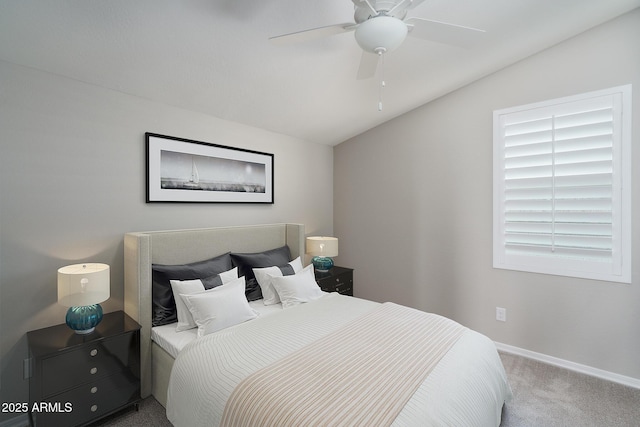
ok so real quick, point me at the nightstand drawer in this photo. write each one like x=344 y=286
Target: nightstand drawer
x=338 y=279
x=92 y=400
x=345 y=288
x=86 y=364
x=343 y=280
x=341 y=288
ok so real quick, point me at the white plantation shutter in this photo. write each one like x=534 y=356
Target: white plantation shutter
x=559 y=199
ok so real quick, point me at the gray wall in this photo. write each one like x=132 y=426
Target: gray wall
x=413 y=211
x=72 y=182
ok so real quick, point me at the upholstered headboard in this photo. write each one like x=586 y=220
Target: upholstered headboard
x=143 y=249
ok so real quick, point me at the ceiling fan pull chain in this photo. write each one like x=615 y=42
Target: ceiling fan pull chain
x=382 y=83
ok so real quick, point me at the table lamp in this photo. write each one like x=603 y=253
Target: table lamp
x=81 y=287
x=322 y=249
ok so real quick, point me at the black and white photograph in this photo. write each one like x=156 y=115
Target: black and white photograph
x=182 y=170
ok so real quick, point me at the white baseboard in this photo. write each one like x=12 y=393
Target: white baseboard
x=19 y=421
x=572 y=366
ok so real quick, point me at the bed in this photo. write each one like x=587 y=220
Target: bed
x=216 y=379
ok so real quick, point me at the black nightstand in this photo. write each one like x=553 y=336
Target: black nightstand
x=77 y=379
x=337 y=279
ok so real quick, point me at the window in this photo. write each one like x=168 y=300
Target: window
x=562 y=178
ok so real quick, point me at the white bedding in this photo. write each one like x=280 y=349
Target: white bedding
x=467 y=388
x=172 y=342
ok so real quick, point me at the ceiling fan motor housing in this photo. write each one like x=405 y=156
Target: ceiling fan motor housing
x=381 y=34
x=395 y=8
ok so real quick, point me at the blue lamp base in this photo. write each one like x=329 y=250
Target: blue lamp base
x=83 y=320
x=322 y=263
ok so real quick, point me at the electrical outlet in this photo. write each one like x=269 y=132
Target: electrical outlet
x=501 y=314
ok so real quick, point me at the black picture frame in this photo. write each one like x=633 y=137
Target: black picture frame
x=186 y=171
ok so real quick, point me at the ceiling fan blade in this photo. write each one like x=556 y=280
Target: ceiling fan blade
x=443 y=32
x=414 y=3
x=313 y=34
x=368 y=65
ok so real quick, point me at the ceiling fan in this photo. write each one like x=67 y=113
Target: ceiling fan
x=381 y=26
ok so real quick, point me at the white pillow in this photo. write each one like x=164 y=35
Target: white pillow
x=264 y=275
x=185 y=319
x=185 y=287
x=220 y=307
x=229 y=276
x=296 y=289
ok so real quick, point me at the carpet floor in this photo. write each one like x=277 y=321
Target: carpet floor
x=548 y=396
x=543 y=396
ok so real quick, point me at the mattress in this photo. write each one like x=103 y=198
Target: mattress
x=468 y=387
x=173 y=342
x=170 y=340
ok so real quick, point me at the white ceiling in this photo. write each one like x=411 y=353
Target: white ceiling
x=213 y=56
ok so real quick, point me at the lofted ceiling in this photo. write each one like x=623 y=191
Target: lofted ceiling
x=214 y=56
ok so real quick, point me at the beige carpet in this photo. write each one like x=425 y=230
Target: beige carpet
x=548 y=396
x=544 y=396
x=151 y=413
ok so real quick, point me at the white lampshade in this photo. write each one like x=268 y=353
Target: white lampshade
x=322 y=246
x=83 y=284
x=381 y=34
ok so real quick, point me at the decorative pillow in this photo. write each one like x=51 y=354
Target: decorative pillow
x=296 y=289
x=164 y=306
x=220 y=307
x=264 y=275
x=247 y=262
x=179 y=287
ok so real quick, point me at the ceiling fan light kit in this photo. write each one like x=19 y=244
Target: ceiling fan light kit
x=381 y=34
x=380 y=27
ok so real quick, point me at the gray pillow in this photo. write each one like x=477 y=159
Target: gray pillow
x=247 y=262
x=163 y=303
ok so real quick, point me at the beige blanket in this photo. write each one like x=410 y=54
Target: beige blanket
x=362 y=374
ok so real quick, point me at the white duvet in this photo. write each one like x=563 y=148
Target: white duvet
x=467 y=388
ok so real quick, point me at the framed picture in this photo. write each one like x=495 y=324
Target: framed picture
x=182 y=170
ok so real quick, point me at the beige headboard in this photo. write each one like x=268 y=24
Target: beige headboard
x=184 y=246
